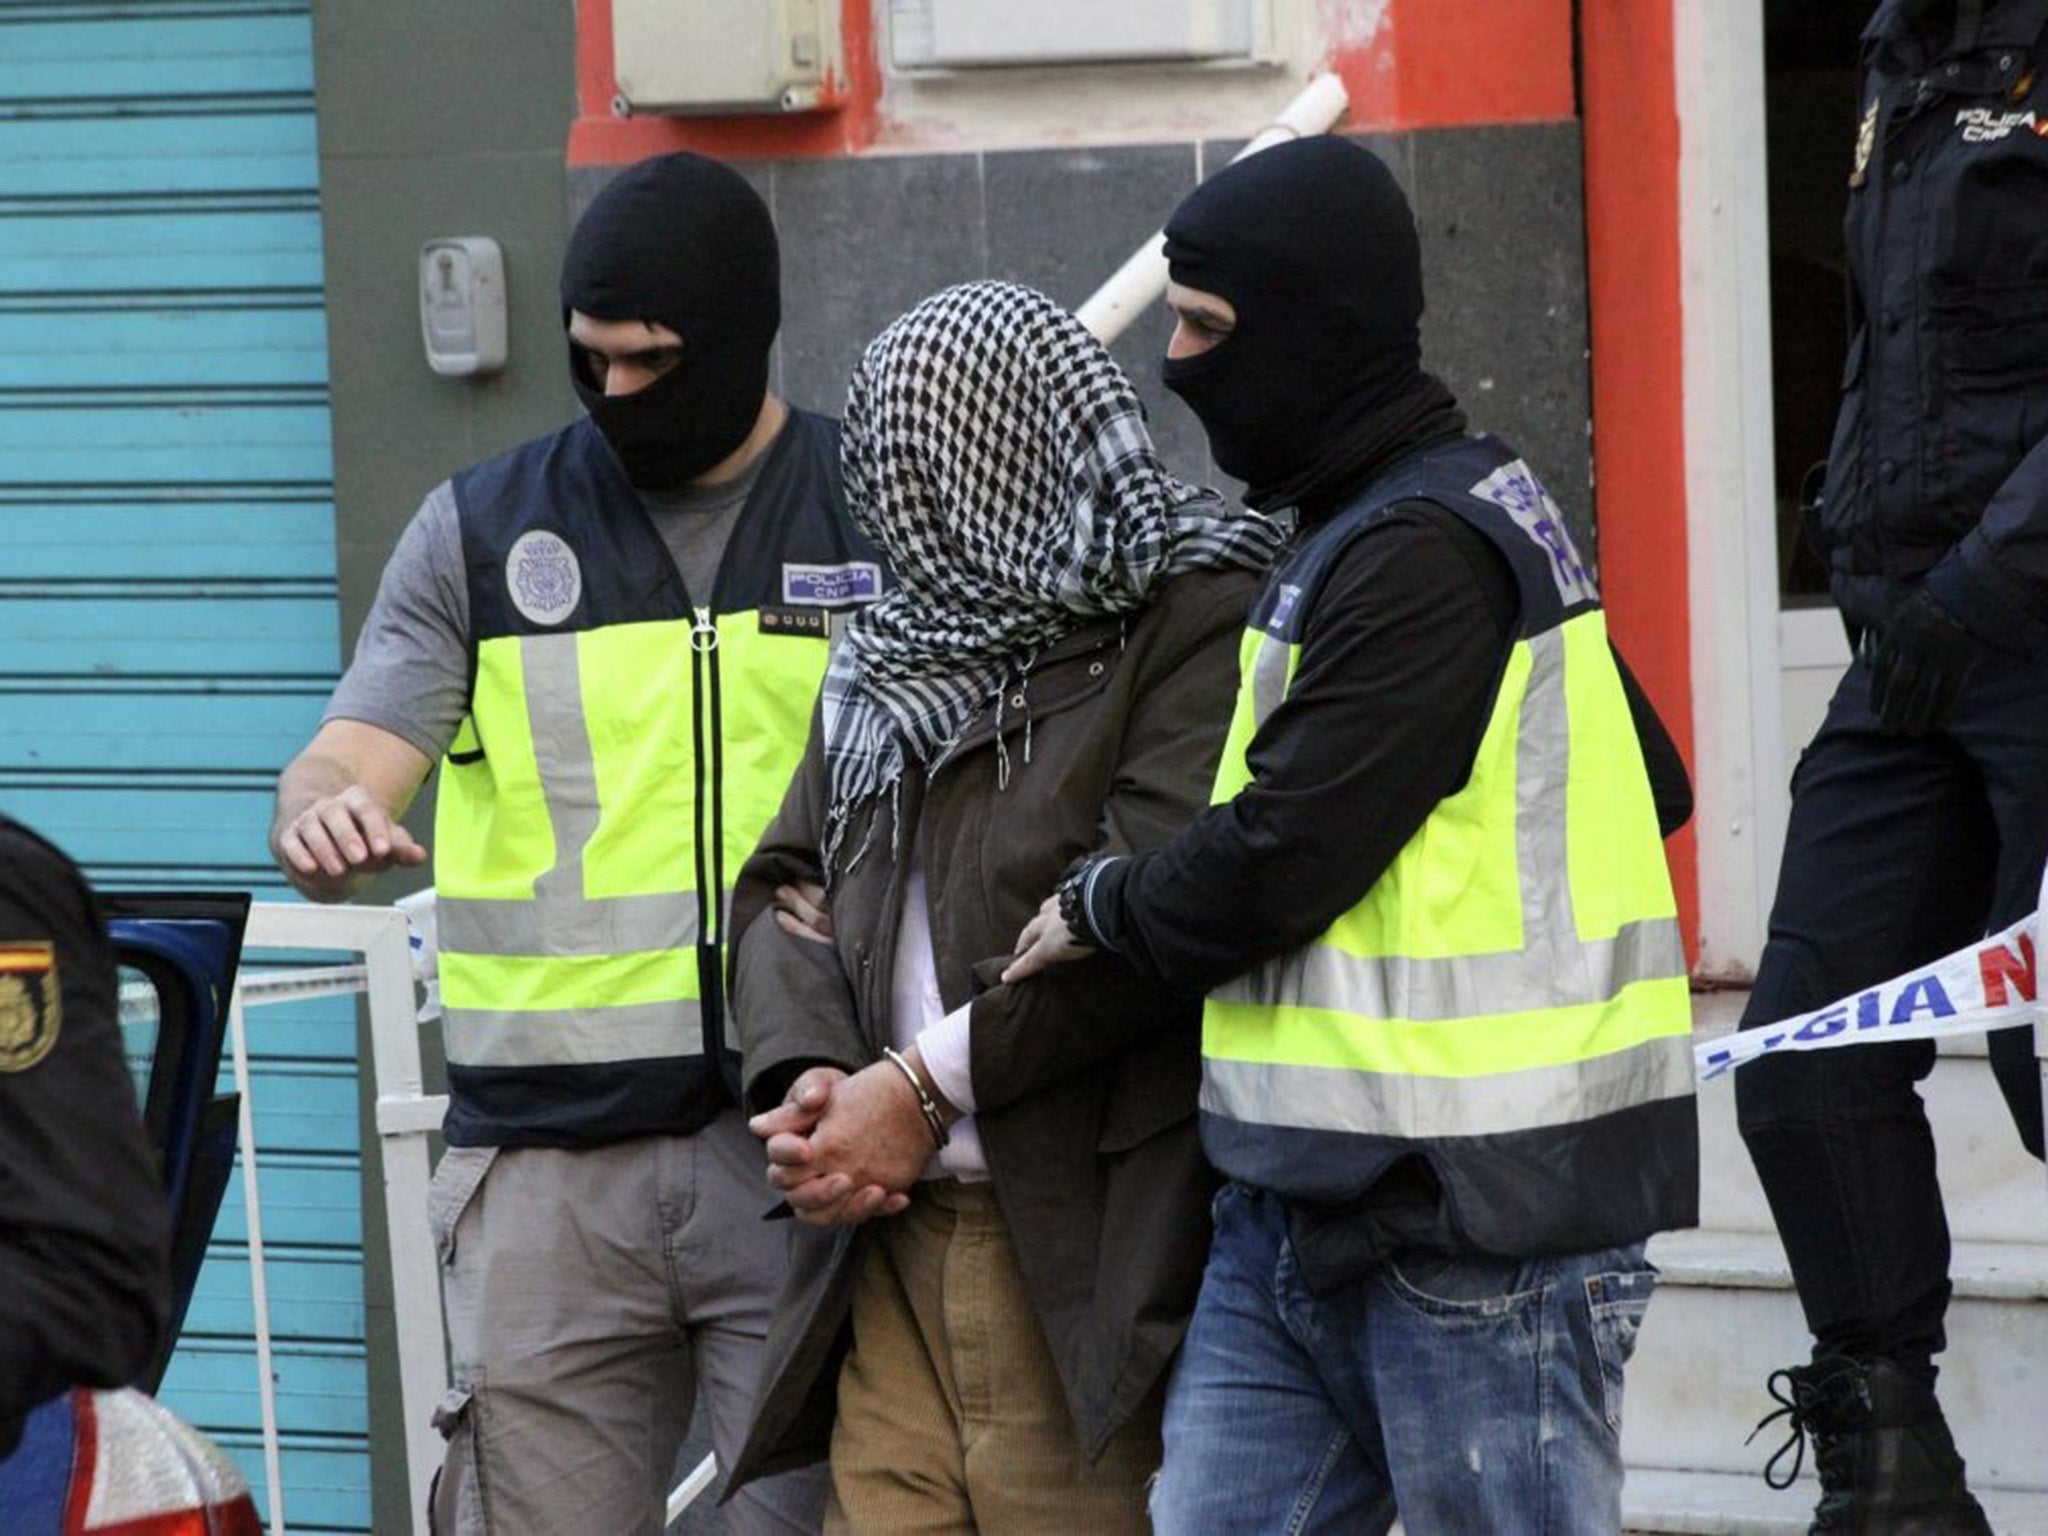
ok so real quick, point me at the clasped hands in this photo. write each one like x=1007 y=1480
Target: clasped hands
x=846 y=1147
x=842 y=1147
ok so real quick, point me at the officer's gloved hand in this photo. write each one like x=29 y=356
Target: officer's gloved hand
x=1917 y=666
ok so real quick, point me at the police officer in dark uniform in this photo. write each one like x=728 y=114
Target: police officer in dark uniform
x=84 y=1227
x=1920 y=811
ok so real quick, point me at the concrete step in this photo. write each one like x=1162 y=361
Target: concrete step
x=1994 y=1191
x=1727 y=1504
x=1726 y=1317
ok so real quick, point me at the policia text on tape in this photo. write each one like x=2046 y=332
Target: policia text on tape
x=1989 y=985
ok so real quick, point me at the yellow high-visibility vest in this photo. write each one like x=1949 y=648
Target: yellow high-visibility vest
x=625 y=748
x=1508 y=1001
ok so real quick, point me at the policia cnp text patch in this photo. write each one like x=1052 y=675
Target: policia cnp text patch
x=31 y=1006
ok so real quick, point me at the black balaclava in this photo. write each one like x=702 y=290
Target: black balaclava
x=1315 y=248
x=682 y=241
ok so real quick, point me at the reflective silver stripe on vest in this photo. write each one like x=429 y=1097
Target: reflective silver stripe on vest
x=1553 y=969
x=613 y=925
x=1374 y=1104
x=1430 y=991
x=1269 y=677
x=486 y=1037
x=561 y=751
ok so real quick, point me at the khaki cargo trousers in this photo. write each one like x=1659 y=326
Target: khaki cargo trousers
x=590 y=1294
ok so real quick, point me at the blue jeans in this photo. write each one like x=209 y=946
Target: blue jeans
x=1470 y=1395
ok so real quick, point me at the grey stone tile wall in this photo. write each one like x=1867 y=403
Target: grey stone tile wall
x=1500 y=212
x=863 y=241
x=1064 y=220
x=1502 y=219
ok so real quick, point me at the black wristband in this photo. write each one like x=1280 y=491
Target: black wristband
x=1071 y=891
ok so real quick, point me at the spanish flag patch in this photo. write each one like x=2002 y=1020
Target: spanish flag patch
x=31 y=1005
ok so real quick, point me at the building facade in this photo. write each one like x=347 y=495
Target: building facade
x=216 y=413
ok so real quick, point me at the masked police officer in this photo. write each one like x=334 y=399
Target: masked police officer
x=611 y=638
x=1920 y=811
x=1446 y=1068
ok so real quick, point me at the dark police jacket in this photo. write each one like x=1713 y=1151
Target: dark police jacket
x=1939 y=466
x=84 y=1227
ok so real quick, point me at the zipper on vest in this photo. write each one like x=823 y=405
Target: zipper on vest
x=717 y=737
x=708 y=730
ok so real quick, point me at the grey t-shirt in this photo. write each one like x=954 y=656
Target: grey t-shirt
x=410 y=673
x=696 y=525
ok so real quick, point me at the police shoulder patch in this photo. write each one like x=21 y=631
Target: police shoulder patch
x=545 y=580
x=1515 y=489
x=31 y=1003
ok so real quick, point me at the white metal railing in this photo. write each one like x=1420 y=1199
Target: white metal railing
x=406 y=1115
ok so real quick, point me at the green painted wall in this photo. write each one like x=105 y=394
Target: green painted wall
x=441 y=119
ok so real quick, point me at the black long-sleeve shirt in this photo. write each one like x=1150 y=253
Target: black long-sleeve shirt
x=1382 y=721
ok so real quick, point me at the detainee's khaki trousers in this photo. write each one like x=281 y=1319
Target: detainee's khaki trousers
x=951 y=1416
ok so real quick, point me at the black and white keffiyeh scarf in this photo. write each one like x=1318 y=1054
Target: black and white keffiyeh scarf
x=998 y=455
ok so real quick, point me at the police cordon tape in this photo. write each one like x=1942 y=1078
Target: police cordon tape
x=1989 y=985
x=140 y=1003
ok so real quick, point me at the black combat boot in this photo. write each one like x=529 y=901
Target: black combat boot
x=1887 y=1465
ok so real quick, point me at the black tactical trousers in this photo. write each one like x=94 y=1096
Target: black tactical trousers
x=1899 y=851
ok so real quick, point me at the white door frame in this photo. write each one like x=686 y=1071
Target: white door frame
x=1731 y=518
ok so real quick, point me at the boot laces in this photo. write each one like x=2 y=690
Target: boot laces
x=1784 y=1389
x=1814 y=1401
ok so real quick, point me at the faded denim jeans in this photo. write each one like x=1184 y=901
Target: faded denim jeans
x=1469 y=1395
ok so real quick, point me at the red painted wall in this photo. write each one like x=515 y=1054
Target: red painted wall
x=1630 y=109
x=1439 y=63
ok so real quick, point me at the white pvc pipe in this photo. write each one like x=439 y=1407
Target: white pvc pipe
x=415 y=1266
x=1139 y=282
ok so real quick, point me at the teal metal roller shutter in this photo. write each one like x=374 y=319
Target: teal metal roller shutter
x=167 y=607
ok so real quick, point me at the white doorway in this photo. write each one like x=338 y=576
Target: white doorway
x=1766 y=92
